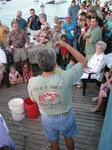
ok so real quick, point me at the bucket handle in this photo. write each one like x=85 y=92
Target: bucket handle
x=17 y=113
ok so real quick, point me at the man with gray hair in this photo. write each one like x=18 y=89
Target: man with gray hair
x=21 y=21
x=53 y=94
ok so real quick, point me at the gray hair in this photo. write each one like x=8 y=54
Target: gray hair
x=46 y=59
x=19 y=11
x=102 y=44
x=42 y=15
x=56 y=17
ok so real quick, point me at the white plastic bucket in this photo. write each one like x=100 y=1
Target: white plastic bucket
x=16 y=107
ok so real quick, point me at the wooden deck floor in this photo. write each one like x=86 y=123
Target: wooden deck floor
x=28 y=134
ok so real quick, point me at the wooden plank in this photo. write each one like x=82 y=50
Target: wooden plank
x=28 y=134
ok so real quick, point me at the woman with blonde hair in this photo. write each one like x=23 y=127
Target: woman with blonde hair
x=3 y=35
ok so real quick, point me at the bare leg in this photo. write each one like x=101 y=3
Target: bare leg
x=20 y=80
x=102 y=95
x=55 y=145
x=69 y=143
x=1 y=76
x=13 y=82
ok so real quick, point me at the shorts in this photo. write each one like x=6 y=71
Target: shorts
x=55 y=124
x=19 y=54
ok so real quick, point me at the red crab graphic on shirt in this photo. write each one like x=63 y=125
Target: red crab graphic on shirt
x=52 y=97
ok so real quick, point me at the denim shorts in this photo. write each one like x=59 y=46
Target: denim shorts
x=55 y=124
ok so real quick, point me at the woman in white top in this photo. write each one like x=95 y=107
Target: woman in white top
x=97 y=62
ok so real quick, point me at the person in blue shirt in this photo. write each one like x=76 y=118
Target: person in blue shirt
x=6 y=142
x=21 y=22
x=70 y=28
x=71 y=63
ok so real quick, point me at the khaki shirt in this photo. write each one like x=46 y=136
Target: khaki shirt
x=95 y=36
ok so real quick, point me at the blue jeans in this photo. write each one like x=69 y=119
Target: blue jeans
x=55 y=124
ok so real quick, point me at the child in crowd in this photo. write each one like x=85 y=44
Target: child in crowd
x=64 y=52
x=14 y=76
x=71 y=63
x=58 y=69
x=82 y=42
x=27 y=72
x=103 y=91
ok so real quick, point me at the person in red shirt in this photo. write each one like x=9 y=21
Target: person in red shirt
x=64 y=52
x=27 y=72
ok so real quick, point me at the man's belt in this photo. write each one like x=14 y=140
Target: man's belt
x=20 y=47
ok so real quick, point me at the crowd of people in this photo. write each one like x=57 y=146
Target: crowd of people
x=73 y=48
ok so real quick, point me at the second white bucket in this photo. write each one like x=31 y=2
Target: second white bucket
x=16 y=107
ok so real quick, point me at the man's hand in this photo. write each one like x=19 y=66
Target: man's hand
x=31 y=19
